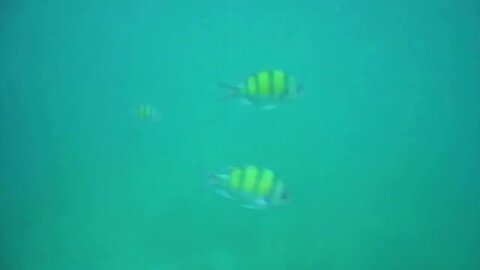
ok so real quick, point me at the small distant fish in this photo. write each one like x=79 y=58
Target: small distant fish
x=147 y=113
x=266 y=88
x=251 y=186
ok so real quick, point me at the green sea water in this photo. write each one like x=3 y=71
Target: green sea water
x=381 y=156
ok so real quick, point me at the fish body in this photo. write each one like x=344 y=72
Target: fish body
x=267 y=88
x=251 y=186
x=147 y=113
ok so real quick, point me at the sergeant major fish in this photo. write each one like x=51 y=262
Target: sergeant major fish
x=147 y=112
x=266 y=88
x=251 y=186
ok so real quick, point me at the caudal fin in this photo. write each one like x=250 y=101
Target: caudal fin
x=216 y=179
x=231 y=91
x=229 y=86
x=212 y=179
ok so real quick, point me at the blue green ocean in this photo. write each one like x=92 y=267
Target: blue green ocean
x=380 y=154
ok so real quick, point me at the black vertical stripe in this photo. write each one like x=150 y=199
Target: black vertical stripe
x=286 y=91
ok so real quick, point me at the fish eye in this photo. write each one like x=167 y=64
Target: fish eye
x=285 y=196
x=300 y=89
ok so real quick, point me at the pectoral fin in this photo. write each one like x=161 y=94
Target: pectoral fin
x=258 y=204
x=269 y=107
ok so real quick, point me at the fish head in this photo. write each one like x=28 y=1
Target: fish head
x=284 y=197
x=295 y=90
x=281 y=199
x=300 y=89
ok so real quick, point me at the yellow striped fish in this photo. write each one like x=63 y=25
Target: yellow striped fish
x=266 y=88
x=251 y=186
x=147 y=113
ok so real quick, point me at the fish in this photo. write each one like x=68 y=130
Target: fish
x=251 y=186
x=266 y=89
x=147 y=112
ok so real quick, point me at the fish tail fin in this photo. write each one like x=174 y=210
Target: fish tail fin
x=229 y=86
x=216 y=182
x=215 y=179
x=232 y=91
x=212 y=179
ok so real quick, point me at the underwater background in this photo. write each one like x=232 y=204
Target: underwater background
x=381 y=155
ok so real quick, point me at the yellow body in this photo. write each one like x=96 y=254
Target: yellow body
x=269 y=84
x=147 y=112
x=253 y=180
x=253 y=187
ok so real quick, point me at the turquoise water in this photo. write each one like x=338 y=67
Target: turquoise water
x=381 y=156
